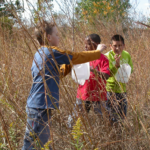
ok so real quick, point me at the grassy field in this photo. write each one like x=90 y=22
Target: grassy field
x=16 y=55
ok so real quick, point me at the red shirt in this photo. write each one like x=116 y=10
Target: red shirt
x=94 y=89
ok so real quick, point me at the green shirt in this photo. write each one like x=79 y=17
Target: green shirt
x=112 y=85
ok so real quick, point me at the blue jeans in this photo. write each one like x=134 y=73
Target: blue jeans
x=37 y=129
x=116 y=105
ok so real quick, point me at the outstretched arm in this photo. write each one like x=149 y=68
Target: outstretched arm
x=68 y=57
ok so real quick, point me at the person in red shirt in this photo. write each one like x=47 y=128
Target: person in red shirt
x=93 y=92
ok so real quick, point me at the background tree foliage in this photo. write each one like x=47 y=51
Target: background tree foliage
x=115 y=10
x=42 y=10
x=8 y=9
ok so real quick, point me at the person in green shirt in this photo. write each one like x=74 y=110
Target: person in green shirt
x=116 y=91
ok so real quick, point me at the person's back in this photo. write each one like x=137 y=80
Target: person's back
x=48 y=73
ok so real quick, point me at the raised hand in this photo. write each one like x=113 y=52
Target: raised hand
x=117 y=59
x=101 y=47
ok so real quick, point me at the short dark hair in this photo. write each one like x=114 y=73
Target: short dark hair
x=42 y=30
x=95 y=38
x=117 y=37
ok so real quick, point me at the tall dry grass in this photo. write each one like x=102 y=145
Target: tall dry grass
x=16 y=56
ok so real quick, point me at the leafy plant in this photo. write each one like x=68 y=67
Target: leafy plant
x=107 y=9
